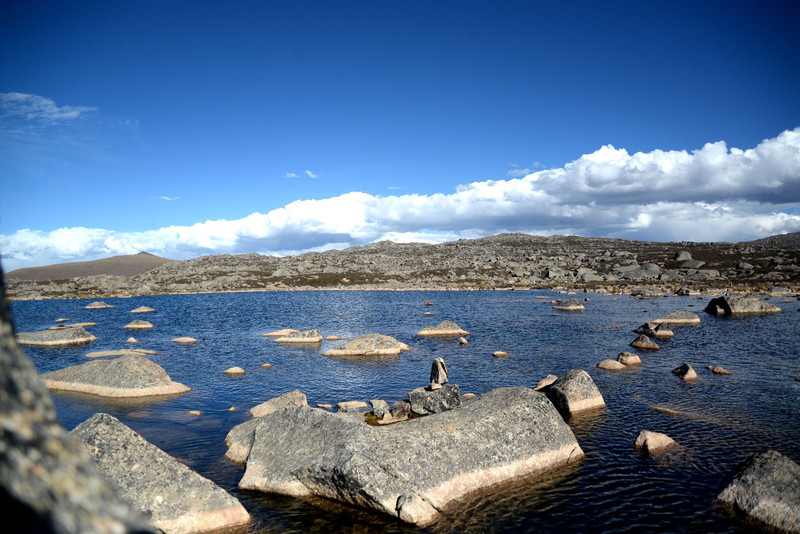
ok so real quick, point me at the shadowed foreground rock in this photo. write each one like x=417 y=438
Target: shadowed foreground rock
x=132 y=375
x=47 y=482
x=740 y=306
x=415 y=469
x=369 y=345
x=56 y=337
x=766 y=488
x=177 y=499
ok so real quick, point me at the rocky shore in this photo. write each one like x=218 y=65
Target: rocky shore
x=506 y=261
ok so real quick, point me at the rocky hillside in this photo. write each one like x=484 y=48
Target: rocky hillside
x=518 y=261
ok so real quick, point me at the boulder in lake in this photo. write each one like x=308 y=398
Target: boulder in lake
x=55 y=338
x=369 y=345
x=138 y=325
x=499 y=354
x=629 y=359
x=426 y=401
x=131 y=375
x=111 y=353
x=717 y=370
x=309 y=337
x=611 y=365
x=575 y=392
x=765 y=488
x=643 y=343
x=653 y=442
x=740 y=306
x=679 y=317
x=280 y=333
x=99 y=305
x=568 y=305
x=685 y=372
x=132 y=340
x=292 y=398
x=443 y=329
x=500 y=436
x=184 y=340
x=234 y=371
x=143 y=309
x=662 y=331
x=463 y=341
x=176 y=499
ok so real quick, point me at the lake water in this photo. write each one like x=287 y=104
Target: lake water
x=615 y=489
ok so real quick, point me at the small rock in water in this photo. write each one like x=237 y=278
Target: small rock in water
x=139 y=325
x=307 y=337
x=132 y=340
x=333 y=338
x=184 y=340
x=467 y=396
x=351 y=406
x=499 y=354
x=685 y=372
x=575 y=392
x=653 y=442
x=643 y=343
x=62 y=320
x=629 y=359
x=143 y=309
x=232 y=409
x=325 y=406
x=717 y=370
x=280 y=333
x=611 y=365
x=463 y=341
x=234 y=371
x=194 y=412
x=266 y=365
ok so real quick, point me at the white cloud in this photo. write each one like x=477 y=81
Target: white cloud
x=291 y=175
x=311 y=174
x=39 y=108
x=166 y=198
x=710 y=194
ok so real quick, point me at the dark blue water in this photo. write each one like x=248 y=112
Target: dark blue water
x=614 y=489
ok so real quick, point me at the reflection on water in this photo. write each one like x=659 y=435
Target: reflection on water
x=716 y=420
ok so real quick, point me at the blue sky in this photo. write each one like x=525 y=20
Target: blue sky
x=191 y=128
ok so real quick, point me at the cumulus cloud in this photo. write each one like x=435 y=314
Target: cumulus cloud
x=291 y=175
x=710 y=194
x=311 y=174
x=39 y=108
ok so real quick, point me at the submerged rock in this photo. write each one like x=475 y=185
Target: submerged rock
x=653 y=442
x=502 y=435
x=611 y=365
x=369 y=345
x=682 y=317
x=138 y=325
x=445 y=328
x=575 y=392
x=307 y=336
x=176 y=499
x=56 y=338
x=685 y=372
x=131 y=375
x=643 y=343
x=740 y=306
x=568 y=305
x=143 y=309
x=766 y=488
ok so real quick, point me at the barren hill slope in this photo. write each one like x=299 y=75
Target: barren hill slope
x=129 y=265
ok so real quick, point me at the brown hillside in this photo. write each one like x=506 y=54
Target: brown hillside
x=118 y=265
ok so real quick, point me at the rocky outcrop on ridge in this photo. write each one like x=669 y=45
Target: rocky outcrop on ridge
x=131 y=375
x=765 y=488
x=47 y=482
x=176 y=499
x=502 y=435
x=56 y=337
x=497 y=262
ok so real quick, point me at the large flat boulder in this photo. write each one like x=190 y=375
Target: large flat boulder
x=740 y=306
x=176 y=499
x=369 y=345
x=443 y=329
x=305 y=337
x=131 y=375
x=293 y=398
x=765 y=488
x=680 y=317
x=415 y=469
x=56 y=337
x=575 y=392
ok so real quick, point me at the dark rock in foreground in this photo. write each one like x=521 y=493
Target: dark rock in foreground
x=47 y=482
x=425 y=401
x=502 y=435
x=177 y=499
x=56 y=337
x=766 y=488
x=132 y=375
x=740 y=306
x=575 y=392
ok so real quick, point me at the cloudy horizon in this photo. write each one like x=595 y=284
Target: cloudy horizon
x=712 y=193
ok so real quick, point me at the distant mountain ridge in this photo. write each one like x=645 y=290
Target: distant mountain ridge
x=125 y=265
